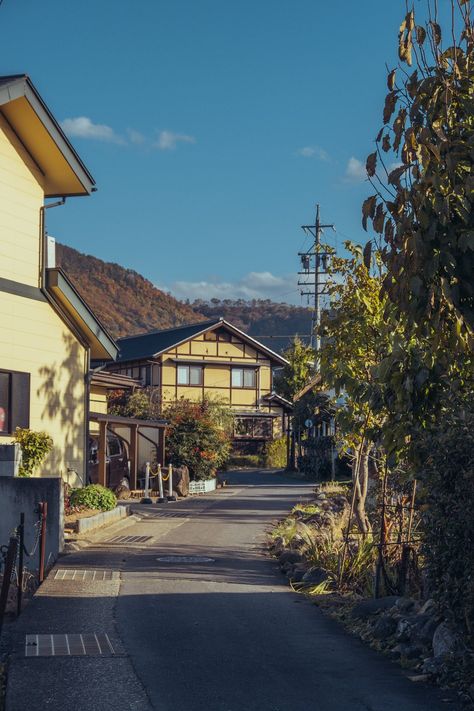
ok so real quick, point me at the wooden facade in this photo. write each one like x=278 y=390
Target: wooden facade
x=219 y=362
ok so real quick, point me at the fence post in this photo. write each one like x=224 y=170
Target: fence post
x=43 y=512
x=7 y=576
x=21 y=543
x=161 y=499
x=170 y=497
x=146 y=499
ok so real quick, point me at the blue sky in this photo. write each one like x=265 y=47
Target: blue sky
x=212 y=127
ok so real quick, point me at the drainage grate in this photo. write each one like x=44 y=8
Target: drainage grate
x=68 y=645
x=130 y=539
x=86 y=575
x=185 y=559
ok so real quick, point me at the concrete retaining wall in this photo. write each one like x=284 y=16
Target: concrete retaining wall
x=101 y=519
x=21 y=494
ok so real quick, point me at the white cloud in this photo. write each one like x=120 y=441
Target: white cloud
x=255 y=285
x=83 y=127
x=355 y=171
x=135 y=136
x=313 y=152
x=167 y=140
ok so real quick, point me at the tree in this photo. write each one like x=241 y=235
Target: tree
x=355 y=339
x=422 y=211
x=143 y=403
x=198 y=436
x=294 y=376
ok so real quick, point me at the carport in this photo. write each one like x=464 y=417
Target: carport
x=132 y=431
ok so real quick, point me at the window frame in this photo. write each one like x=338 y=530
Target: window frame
x=18 y=411
x=250 y=430
x=188 y=367
x=243 y=369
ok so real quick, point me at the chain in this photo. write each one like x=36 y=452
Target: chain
x=31 y=553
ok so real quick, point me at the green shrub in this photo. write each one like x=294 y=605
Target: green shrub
x=447 y=501
x=94 y=496
x=34 y=448
x=275 y=454
x=198 y=436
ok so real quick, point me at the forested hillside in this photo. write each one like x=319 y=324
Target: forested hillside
x=127 y=303
x=124 y=301
x=273 y=323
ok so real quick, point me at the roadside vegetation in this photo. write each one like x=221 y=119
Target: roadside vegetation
x=199 y=436
x=397 y=350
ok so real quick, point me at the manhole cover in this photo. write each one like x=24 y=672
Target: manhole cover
x=85 y=575
x=130 y=539
x=68 y=645
x=185 y=559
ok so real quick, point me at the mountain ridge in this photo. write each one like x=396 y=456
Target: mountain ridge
x=129 y=304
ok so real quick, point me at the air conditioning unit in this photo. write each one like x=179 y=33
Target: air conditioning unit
x=10 y=459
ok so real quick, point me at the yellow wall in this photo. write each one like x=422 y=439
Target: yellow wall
x=21 y=197
x=217 y=378
x=33 y=338
x=98 y=399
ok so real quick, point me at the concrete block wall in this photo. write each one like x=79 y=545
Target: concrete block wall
x=21 y=494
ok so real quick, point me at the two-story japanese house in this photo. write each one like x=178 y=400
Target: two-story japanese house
x=217 y=360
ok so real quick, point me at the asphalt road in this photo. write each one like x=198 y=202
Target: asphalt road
x=227 y=634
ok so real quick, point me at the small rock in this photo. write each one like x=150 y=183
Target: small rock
x=297 y=575
x=444 y=640
x=404 y=604
x=426 y=633
x=471 y=691
x=404 y=630
x=433 y=665
x=366 y=608
x=290 y=557
x=315 y=576
x=384 y=627
x=412 y=651
x=429 y=608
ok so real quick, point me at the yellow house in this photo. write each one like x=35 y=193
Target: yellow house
x=48 y=334
x=213 y=359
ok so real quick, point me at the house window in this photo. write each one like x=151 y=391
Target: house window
x=14 y=401
x=155 y=374
x=4 y=402
x=244 y=377
x=189 y=375
x=145 y=374
x=253 y=427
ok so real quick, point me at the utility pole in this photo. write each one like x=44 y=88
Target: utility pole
x=314 y=264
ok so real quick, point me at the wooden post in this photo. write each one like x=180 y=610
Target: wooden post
x=133 y=456
x=102 y=467
x=162 y=446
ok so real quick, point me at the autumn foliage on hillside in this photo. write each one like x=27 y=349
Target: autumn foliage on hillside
x=128 y=304
x=124 y=301
x=274 y=324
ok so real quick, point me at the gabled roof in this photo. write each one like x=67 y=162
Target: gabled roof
x=279 y=400
x=62 y=171
x=71 y=303
x=154 y=343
